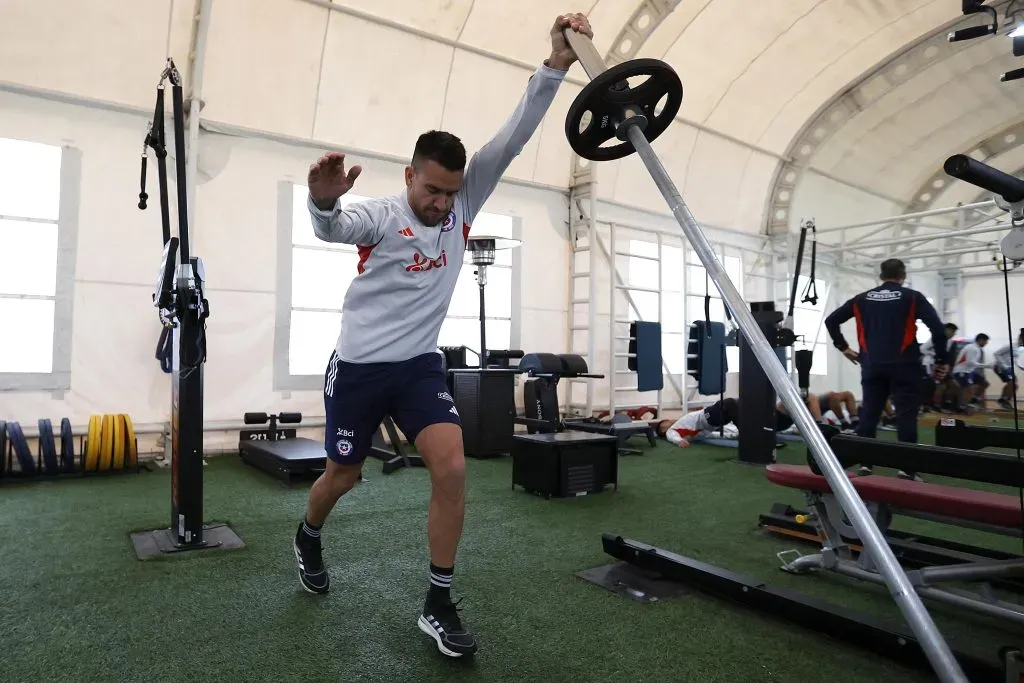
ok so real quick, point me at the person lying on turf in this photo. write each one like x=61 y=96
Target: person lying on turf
x=411 y=246
x=700 y=424
x=783 y=421
x=837 y=401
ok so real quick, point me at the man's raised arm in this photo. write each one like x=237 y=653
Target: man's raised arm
x=486 y=167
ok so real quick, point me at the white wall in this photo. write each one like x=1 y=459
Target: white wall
x=984 y=307
x=832 y=204
x=115 y=325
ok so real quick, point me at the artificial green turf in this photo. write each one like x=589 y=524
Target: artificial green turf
x=76 y=605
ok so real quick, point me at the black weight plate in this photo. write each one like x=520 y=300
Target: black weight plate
x=610 y=99
x=21 y=449
x=3 y=446
x=67 y=445
x=47 y=447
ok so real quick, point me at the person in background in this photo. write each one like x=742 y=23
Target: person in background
x=700 y=424
x=969 y=370
x=889 y=355
x=843 y=404
x=1005 y=362
x=934 y=391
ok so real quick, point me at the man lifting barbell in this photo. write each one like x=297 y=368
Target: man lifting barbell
x=411 y=247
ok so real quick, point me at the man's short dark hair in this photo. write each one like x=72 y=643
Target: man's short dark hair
x=980 y=337
x=952 y=327
x=892 y=269
x=442 y=148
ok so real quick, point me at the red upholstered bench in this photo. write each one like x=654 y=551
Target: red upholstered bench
x=999 y=509
x=799 y=477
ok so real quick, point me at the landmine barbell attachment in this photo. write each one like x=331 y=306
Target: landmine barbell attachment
x=631 y=127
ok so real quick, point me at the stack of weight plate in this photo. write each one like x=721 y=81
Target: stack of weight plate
x=110 y=446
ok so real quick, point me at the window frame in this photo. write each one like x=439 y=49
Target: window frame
x=58 y=380
x=283 y=379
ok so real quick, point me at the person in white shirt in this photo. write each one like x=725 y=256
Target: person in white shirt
x=700 y=424
x=1004 y=363
x=969 y=369
x=411 y=246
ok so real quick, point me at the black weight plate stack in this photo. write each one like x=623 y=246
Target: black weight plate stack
x=47 y=447
x=67 y=445
x=21 y=449
x=3 y=447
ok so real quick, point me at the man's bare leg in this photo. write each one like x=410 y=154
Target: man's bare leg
x=814 y=405
x=336 y=481
x=442 y=450
x=441 y=447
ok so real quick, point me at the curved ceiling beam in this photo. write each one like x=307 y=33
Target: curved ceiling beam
x=982 y=149
x=845 y=104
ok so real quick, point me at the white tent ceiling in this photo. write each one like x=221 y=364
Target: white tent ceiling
x=373 y=74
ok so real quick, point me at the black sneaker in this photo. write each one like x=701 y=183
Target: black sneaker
x=312 y=572
x=442 y=623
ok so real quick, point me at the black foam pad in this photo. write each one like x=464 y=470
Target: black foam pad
x=541 y=364
x=255 y=418
x=47 y=447
x=21 y=449
x=67 y=445
x=289 y=418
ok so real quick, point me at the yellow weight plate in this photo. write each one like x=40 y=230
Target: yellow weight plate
x=118 y=445
x=131 y=446
x=106 y=443
x=92 y=443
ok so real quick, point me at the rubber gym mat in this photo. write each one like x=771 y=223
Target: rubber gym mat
x=47 y=447
x=106 y=442
x=3 y=446
x=92 y=443
x=67 y=445
x=21 y=449
x=131 y=445
x=117 y=453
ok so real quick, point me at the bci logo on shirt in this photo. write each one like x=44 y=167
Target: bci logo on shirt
x=421 y=263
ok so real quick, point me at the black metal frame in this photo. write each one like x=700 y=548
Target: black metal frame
x=913 y=550
x=954 y=433
x=185 y=310
x=393 y=457
x=866 y=631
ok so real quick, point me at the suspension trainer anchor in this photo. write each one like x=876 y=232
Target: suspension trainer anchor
x=617 y=123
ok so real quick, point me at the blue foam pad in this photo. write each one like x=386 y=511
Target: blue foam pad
x=648 y=355
x=710 y=338
x=792 y=438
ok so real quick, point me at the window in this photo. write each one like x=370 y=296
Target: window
x=30 y=286
x=699 y=283
x=462 y=324
x=809 y=325
x=321 y=273
x=315 y=309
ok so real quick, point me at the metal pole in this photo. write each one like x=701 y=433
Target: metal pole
x=903 y=217
x=920 y=238
x=932 y=642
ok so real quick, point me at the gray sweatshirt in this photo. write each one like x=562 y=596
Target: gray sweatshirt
x=394 y=308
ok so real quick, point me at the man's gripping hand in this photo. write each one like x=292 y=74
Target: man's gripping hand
x=939 y=372
x=851 y=354
x=327 y=179
x=562 y=55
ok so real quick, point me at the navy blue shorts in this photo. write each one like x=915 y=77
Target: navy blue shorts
x=1004 y=373
x=357 y=396
x=967 y=379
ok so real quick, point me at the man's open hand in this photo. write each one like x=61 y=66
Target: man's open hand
x=327 y=179
x=562 y=55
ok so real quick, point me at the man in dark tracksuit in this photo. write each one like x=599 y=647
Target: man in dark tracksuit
x=889 y=354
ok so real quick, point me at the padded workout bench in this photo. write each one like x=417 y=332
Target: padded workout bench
x=888 y=496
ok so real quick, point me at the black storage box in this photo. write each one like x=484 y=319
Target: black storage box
x=486 y=403
x=564 y=463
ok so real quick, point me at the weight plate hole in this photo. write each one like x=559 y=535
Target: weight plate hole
x=585 y=120
x=637 y=81
x=660 y=106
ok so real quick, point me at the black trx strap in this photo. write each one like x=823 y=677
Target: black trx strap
x=1013 y=368
x=811 y=290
